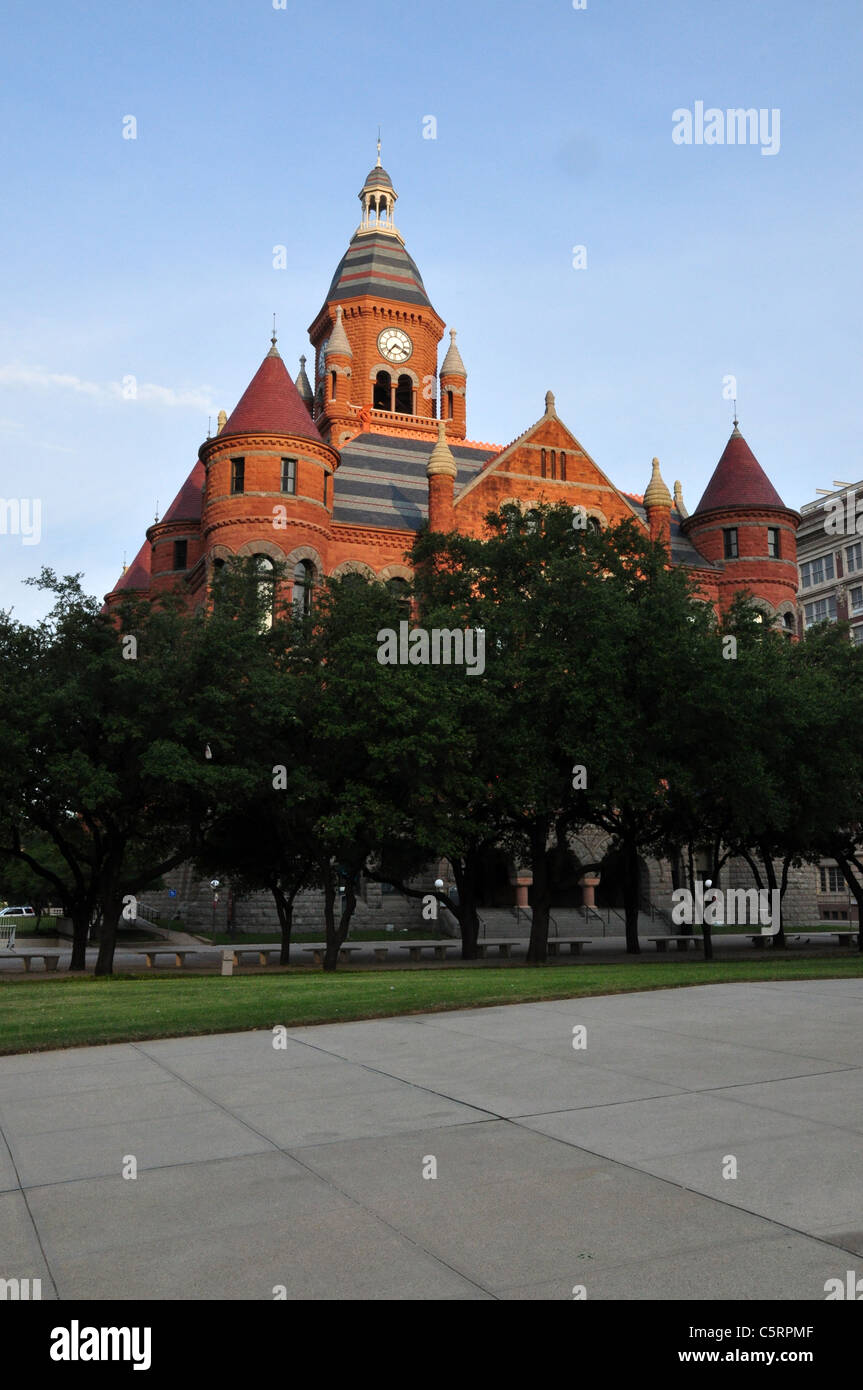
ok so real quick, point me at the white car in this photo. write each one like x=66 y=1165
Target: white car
x=17 y=912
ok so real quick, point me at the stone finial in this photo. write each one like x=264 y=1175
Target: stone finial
x=441 y=461
x=678 y=500
x=549 y=403
x=302 y=382
x=657 y=494
x=223 y=420
x=452 y=364
x=338 y=338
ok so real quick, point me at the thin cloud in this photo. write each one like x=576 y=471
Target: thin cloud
x=127 y=390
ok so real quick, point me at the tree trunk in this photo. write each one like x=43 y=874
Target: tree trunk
x=630 y=895
x=464 y=872
x=285 y=912
x=112 y=906
x=80 y=930
x=856 y=888
x=537 y=951
x=331 y=954
x=686 y=927
x=770 y=871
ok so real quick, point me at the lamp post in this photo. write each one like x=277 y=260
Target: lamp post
x=214 y=884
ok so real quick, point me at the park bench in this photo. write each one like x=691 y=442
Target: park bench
x=50 y=959
x=318 y=953
x=575 y=943
x=845 y=938
x=151 y=953
x=682 y=943
x=439 y=948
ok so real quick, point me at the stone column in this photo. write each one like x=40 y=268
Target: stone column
x=589 y=884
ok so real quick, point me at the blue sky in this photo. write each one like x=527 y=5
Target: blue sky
x=256 y=126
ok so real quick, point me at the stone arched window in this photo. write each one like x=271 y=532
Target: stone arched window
x=405 y=395
x=400 y=591
x=304 y=578
x=382 y=395
x=266 y=587
x=533 y=521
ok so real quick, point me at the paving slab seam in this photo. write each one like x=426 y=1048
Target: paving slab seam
x=370 y=1211
x=20 y=1188
x=493 y=1115
x=695 y=1191
x=649 y=1261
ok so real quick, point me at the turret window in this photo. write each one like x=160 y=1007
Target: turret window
x=302 y=594
x=326 y=488
x=238 y=475
x=382 y=395
x=289 y=476
x=266 y=585
x=450 y=405
x=180 y=553
x=562 y=466
x=729 y=536
x=542 y=466
x=773 y=542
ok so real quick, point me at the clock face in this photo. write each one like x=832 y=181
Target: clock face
x=395 y=345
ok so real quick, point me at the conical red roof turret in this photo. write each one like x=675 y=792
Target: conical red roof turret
x=738 y=480
x=271 y=404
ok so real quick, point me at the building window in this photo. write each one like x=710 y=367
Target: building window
x=326 y=488
x=817 y=571
x=822 y=610
x=266 y=589
x=400 y=591
x=857 y=636
x=773 y=542
x=788 y=622
x=543 y=464
x=238 y=475
x=854 y=557
x=856 y=596
x=450 y=405
x=832 y=880
x=729 y=536
x=562 y=466
x=180 y=552
x=532 y=521
x=333 y=378
x=382 y=398
x=405 y=396
x=302 y=595
x=593 y=524
x=289 y=476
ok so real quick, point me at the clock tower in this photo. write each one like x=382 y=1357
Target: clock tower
x=376 y=336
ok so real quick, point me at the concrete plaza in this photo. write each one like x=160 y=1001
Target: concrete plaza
x=302 y=1167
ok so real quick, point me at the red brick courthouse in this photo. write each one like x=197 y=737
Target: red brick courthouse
x=339 y=477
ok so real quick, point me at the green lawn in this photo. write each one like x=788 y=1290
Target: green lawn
x=36 y=1014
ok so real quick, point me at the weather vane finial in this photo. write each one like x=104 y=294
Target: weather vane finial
x=378 y=165
x=273 y=339
x=736 y=422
